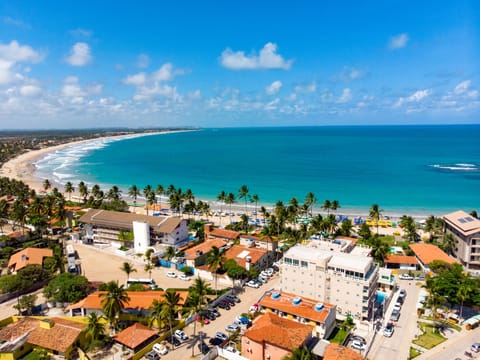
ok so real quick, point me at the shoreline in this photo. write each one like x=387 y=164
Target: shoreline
x=23 y=168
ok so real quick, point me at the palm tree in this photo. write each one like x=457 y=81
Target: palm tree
x=83 y=190
x=375 y=214
x=114 y=300
x=230 y=200
x=215 y=259
x=172 y=298
x=151 y=199
x=433 y=225
x=255 y=199
x=197 y=297
x=335 y=205
x=128 y=268
x=310 y=200
x=327 y=206
x=149 y=268
x=159 y=191
x=409 y=227
x=243 y=194
x=69 y=189
x=170 y=252
x=4 y=210
x=465 y=289
x=46 y=185
x=134 y=192
x=95 y=328
x=449 y=243
x=221 y=198
x=158 y=314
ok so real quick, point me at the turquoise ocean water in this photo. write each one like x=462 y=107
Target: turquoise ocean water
x=405 y=169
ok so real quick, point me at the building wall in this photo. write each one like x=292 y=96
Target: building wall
x=468 y=248
x=259 y=351
x=178 y=236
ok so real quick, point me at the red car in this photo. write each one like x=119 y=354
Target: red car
x=202 y=319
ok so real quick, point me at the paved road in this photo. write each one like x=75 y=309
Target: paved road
x=454 y=347
x=248 y=297
x=397 y=347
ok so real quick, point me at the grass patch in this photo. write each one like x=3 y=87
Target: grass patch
x=339 y=334
x=430 y=337
x=413 y=353
x=446 y=323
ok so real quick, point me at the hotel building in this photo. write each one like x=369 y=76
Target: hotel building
x=349 y=281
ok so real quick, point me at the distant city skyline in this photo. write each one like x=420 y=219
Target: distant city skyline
x=87 y=64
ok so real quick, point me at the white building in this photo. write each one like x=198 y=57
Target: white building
x=143 y=231
x=346 y=280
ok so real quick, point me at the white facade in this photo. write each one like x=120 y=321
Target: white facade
x=346 y=280
x=141 y=236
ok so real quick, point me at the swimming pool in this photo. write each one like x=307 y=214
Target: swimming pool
x=380 y=297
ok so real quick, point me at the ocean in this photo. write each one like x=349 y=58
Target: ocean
x=405 y=169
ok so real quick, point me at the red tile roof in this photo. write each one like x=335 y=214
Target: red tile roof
x=138 y=300
x=428 y=253
x=224 y=234
x=203 y=248
x=400 y=259
x=337 y=352
x=239 y=254
x=28 y=256
x=277 y=331
x=134 y=335
x=305 y=309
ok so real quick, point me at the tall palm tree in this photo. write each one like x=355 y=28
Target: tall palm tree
x=375 y=214
x=171 y=300
x=434 y=226
x=134 y=192
x=158 y=314
x=69 y=189
x=128 y=268
x=151 y=199
x=159 y=191
x=243 y=194
x=327 y=205
x=335 y=205
x=255 y=199
x=310 y=201
x=149 y=268
x=4 y=211
x=95 y=328
x=83 y=190
x=221 y=198
x=114 y=300
x=230 y=200
x=170 y=252
x=449 y=243
x=19 y=213
x=215 y=260
x=465 y=289
x=46 y=185
x=197 y=297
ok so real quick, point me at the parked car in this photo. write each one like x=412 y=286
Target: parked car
x=210 y=316
x=221 y=336
x=397 y=306
x=180 y=335
x=216 y=341
x=388 y=331
x=174 y=341
x=358 y=345
x=265 y=274
x=242 y=320
x=203 y=319
x=214 y=312
x=253 y=284
x=171 y=274
x=475 y=347
x=204 y=348
x=152 y=355
x=223 y=305
x=232 y=327
x=184 y=277
x=160 y=349
x=400 y=300
x=395 y=315
x=228 y=301
x=405 y=277
x=262 y=279
x=233 y=298
x=359 y=338
x=270 y=271
x=402 y=293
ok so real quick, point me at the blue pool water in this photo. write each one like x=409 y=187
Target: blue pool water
x=380 y=297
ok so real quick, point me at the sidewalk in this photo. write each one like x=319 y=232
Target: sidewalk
x=435 y=353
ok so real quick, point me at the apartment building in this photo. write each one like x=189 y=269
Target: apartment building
x=347 y=280
x=466 y=231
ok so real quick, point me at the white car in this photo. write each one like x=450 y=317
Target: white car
x=160 y=349
x=253 y=284
x=397 y=306
x=388 y=331
x=171 y=274
x=184 y=277
x=180 y=335
x=358 y=345
x=405 y=277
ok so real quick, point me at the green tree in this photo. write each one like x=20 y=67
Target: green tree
x=449 y=244
x=83 y=190
x=134 y=192
x=26 y=304
x=301 y=353
x=255 y=199
x=170 y=252
x=197 y=298
x=409 y=228
x=160 y=191
x=346 y=227
x=66 y=287
x=149 y=268
x=365 y=232
x=69 y=189
x=310 y=201
x=243 y=194
x=375 y=214
x=172 y=299
x=95 y=328
x=335 y=205
x=327 y=205
x=230 y=200
x=46 y=184
x=114 y=300
x=158 y=314
x=128 y=268
x=215 y=259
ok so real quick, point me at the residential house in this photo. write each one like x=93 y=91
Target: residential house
x=139 y=304
x=466 y=231
x=347 y=280
x=320 y=316
x=197 y=255
x=273 y=337
x=264 y=242
x=28 y=256
x=103 y=226
x=250 y=257
x=401 y=262
x=136 y=337
x=55 y=335
x=338 y=352
x=427 y=253
x=212 y=232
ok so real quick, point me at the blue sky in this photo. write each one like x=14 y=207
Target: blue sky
x=77 y=64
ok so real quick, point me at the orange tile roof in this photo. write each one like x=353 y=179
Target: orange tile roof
x=204 y=247
x=400 y=259
x=239 y=254
x=224 y=233
x=134 y=335
x=338 y=352
x=28 y=256
x=138 y=300
x=277 y=331
x=59 y=338
x=305 y=309
x=428 y=253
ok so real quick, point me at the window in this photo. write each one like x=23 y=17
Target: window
x=288 y=261
x=295 y=262
x=304 y=264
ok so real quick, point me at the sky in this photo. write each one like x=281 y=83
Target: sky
x=84 y=64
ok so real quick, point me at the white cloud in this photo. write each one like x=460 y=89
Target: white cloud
x=273 y=88
x=30 y=90
x=136 y=79
x=267 y=59
x=143 y=61
x=7 y=20
x=345 y=97
x=462 y=87
x=73 y=89
x=165 y=73
x=308 y=88
x=417 y=96
x=10 y=55
x=80 y=55
x=398 y=41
